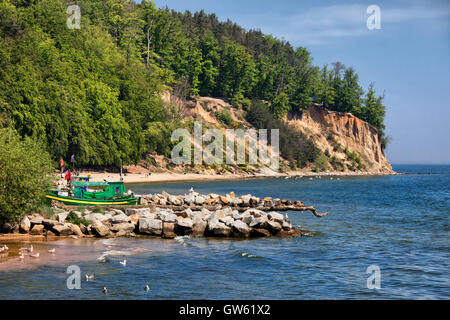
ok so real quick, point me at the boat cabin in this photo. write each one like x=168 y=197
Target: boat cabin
x=98 y=190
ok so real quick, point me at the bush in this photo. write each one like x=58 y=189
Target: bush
x=225 y=117
x=74 y=219
x=295 y=146
x=25 y=174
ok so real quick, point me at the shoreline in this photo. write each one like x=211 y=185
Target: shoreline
x=140 y=178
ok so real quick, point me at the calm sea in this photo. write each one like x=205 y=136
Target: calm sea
x=400 y=224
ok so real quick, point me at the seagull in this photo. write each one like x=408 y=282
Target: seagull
x=124 y=262
x=191 y=190
x=147 y=288
x=52 y=250
x=287 y=217
x=105 y=290
x=21 y=257
x=36 y=255
x=89 y=277
x=30 y=249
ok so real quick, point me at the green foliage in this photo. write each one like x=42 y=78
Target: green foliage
x=73 y=218
x=280 y=105
x=321 y=164
x=95 y=92
x=304 y=151
x=337 y=164
x=225 y=117
x=25 y=174
x=98 y=210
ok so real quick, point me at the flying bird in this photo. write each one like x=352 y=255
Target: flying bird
x=89 y=277
x=124 y=262
x=105 y=290
x=52 y=250
x=147 y=288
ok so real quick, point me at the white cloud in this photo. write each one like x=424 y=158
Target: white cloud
x=325 y=24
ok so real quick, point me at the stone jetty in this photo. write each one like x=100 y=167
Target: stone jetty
x=168 y=216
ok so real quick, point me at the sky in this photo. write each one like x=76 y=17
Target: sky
x=408 y=58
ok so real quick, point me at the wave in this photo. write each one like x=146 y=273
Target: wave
x=120 y=253
x=249 y=255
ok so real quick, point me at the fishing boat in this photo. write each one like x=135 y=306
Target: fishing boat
x=88 y=193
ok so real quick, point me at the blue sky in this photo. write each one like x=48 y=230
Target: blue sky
x=408 y=58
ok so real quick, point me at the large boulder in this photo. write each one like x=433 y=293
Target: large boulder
x=8 y=227
x=37 y=220
x=227 y=220
x=199 y=200
x=167 y=216
x=255 y=212
x=98 y=217
x=99 y=229
x=75 y=229
x=183 y=226
x=150 y=226
x=260 y=233
x=217 y=228
x=169 y=230
x=61 y=217
x=246 y=200
x=189 y=198
x=83 y=229
x=123 y=228
x=249 y=219
x=48 y=223
x=258 y=222
x=140 y=212
x=199 y=227
x=173 y=200
x=120 y=218
x=275 y=216
x=38 y=229
x=25 y=225
x=222 y=230
x=62 y=230
x=241 y=228
x=273 y=226
x=224 y=200
x=286 y=225
x=254 y=201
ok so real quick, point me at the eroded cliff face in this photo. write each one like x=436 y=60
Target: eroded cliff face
x=349 y=144
x=344 y=138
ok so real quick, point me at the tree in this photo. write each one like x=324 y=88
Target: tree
x=348 y=91
x=237 y=72
x=25 y=175
x=373 y=110
x=324 y=92
x=280 y=105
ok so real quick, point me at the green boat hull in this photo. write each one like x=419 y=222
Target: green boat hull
x=70 y=201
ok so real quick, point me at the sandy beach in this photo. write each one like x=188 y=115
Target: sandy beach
x=175 y=177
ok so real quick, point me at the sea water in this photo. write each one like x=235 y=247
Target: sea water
x=400 y=224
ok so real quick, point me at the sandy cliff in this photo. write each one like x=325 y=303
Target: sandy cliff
x=339 y=134
x=349 y=143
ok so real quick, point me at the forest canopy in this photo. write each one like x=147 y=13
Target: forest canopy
x=95 y=92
